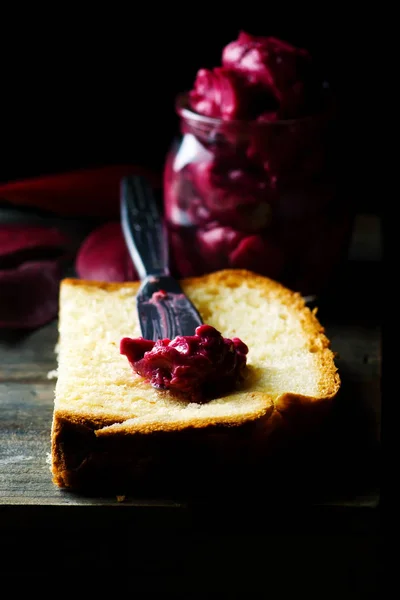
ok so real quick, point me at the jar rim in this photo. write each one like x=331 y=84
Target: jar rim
x=183 y=110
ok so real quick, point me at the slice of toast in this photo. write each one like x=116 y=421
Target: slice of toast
x=111 y=429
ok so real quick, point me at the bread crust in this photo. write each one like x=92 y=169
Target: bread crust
x=116 y=453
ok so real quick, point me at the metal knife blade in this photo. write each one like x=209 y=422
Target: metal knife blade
x=163 y=309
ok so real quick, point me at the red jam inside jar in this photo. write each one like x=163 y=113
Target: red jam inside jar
x=252 y=181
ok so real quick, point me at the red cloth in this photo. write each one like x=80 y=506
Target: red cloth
x=88 y=192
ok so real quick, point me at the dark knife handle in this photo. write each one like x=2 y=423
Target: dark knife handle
x=143 y=227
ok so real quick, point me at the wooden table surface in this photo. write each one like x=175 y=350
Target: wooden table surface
x=352 y=321
x=345 y=497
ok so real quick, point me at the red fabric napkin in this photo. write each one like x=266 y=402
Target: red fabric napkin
x=32 y=257
x=88 y=192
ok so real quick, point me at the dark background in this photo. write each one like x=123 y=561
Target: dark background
x=83 y=90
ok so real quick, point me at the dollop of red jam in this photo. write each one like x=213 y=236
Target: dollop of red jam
x=198 y=367
x=260 y=77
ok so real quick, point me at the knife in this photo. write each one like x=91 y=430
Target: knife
x=163 y=309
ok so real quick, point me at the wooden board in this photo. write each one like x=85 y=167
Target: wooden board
x=352 y=444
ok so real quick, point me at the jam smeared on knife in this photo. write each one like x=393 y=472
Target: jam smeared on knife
x=197 y=367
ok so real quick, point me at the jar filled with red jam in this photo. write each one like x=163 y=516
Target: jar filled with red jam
x=252 y=181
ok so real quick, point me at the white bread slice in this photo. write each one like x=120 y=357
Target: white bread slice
x=109 y=424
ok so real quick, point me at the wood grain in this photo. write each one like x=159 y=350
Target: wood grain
x=350 y=445
x=28 y=357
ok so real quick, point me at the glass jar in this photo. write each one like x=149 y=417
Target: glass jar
x=256 y=195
